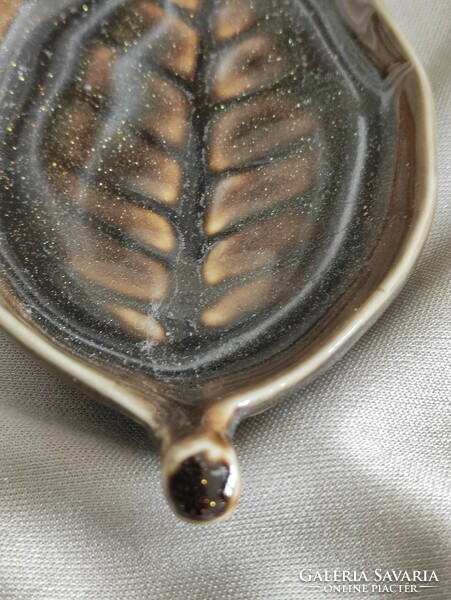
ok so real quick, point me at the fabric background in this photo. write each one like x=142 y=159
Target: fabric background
x=352 y=472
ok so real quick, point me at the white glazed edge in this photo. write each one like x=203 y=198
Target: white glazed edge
x=220 y=415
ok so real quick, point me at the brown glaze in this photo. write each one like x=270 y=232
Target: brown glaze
x=113 y=158
x=256 y=129
x=404 y=207
x=233 y=17
x=197 y=197
x=198 y=488
x=253 y=247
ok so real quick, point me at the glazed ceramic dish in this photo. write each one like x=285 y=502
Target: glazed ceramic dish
x=204 y=204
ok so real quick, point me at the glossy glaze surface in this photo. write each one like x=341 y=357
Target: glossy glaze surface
x=195 y=195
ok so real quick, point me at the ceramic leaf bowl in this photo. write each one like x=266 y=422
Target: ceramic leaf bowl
x=204 y=204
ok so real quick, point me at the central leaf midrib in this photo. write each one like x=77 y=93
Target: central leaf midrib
x=187 y=285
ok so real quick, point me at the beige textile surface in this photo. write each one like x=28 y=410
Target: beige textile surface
x=353 y=472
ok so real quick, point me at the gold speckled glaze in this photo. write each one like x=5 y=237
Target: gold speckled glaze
x=204 y=204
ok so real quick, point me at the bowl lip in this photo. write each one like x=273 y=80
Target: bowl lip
x=256 y=398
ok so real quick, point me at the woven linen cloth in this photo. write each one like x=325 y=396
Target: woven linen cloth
x=353 y=472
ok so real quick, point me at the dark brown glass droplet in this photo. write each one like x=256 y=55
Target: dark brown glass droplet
x=200 y=490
